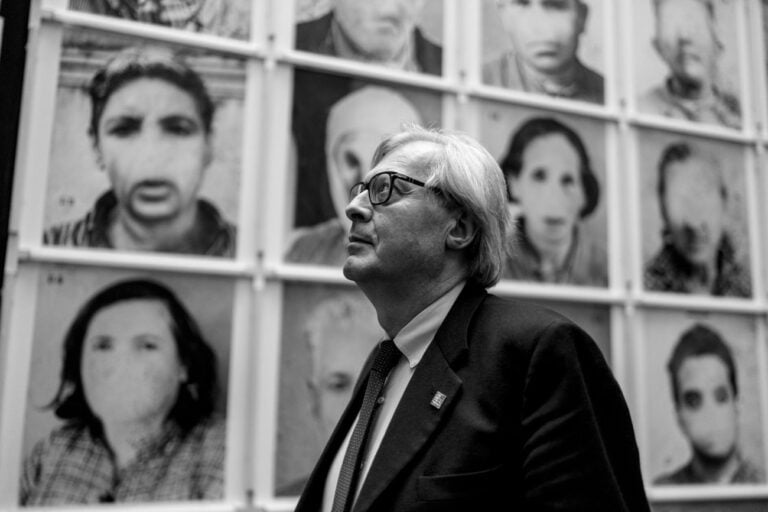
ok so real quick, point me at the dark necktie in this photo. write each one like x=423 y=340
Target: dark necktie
x=385 y=360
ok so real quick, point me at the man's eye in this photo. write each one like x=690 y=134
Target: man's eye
x=123 y=127
x=692 y=399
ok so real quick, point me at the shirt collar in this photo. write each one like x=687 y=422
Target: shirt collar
x=415 y=337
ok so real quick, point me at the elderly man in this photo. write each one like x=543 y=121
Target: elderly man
x=697 y=254
x=703 y=379
x=686 y=40
x=470 y=402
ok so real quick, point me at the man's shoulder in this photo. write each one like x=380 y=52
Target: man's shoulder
x=519 y=321
x=310 y=33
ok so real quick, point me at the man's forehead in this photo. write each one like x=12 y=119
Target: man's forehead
x=413 y=159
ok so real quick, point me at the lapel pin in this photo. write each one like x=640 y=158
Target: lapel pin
x=437 y=400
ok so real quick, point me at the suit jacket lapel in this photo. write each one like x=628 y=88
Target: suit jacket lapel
x=415 y=418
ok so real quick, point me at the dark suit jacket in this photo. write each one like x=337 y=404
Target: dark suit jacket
x=533 y=421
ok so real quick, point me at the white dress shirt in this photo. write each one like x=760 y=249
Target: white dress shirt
x=412 y=340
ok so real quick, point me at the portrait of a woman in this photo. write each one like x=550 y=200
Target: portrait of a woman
x=136 y=401
x=150 y=127
x=551 y=183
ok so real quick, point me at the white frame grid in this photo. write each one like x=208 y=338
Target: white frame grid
x=259 y=272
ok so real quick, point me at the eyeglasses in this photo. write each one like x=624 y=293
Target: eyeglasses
x=380 y=186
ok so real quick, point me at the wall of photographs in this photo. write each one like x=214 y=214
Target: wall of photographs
x=186 y=163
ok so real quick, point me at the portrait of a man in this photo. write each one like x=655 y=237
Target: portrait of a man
x=355 y=125
x=145 y=153
x=384 y=32
x=686 y=37
x=328 y=333
x=543 y=50
x=699 y=253
x=703 y=378
x=702 y=393
x=315 y=96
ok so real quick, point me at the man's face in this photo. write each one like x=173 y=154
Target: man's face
x=152 y=143
x=544 y=33
x=707 y=408
x=549 y=190
x=695 y=209
x=403 y=239
x=685 y=40
x=379 y=29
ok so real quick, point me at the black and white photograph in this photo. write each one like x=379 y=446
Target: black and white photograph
x=328 y=331
x=555 y=170
x=403 y=35
x=686 y=62
x=337 y=121
x=551 y=48
x=128 y=388
x=694 y=216
x=703 y=397
x=146 y=149
x=223 y=18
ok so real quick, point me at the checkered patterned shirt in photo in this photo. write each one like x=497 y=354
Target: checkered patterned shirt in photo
x=225 y=18
x=174 y=13
x=73 y=466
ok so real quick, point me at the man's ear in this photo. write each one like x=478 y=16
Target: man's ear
x=461 y=233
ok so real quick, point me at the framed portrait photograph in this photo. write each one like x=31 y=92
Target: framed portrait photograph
x=686 y=60
x=337 y=122
x=223 y=18
x=404 y=35
x=549 y=48
x=328 y=331
x=555 y=168
x=146 y=148
x=703 y=422
x=129 y=377
x=694 y=215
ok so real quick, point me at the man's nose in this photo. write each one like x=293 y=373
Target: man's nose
x=359 y=208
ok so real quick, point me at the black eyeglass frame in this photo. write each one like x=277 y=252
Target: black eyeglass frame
x=360 y=186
